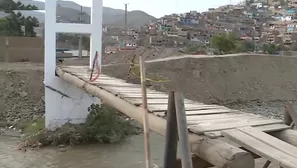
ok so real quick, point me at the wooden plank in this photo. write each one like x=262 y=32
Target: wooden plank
x=150 y=96
x=215 y=116
x=102 y=79
x=210 y=111
x=270 y=140
x=230 y=124
x=156 y=101
x=273 y=127
x=292 y=113
x=99 y=84
x=160 y=114
x=207 y=112
x=192 y=107
x=243 y=118
x=87 y=75
x=261 y=148
x=264 y=128
x=131 y=89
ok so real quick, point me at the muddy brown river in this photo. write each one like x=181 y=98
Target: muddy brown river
x=128 y=154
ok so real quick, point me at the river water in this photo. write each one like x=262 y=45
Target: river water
x=128 y=154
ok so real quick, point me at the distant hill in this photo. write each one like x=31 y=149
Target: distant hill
x=69 y=12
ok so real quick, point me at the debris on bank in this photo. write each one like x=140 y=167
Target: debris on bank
x=103 y=125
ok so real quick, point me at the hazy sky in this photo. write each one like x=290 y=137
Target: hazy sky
x=159 y=8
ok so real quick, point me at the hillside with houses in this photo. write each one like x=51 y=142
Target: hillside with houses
x=263 y=26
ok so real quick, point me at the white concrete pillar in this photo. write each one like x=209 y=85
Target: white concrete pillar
x=65 y=103
x=50 y=40
x=96 y=36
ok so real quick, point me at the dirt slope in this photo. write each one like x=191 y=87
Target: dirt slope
x=22 y=92
x=225 y=79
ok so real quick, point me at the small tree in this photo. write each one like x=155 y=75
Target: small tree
x=225 y=43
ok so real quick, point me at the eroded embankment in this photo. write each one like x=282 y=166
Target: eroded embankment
x=227 y=79
x=22 y=92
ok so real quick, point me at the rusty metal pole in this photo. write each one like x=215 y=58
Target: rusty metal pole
x=145 y=116
x=182 y=130
x=171 y=135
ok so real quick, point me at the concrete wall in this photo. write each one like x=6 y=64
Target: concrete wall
x=223 y=79
x=19 y=49
x=57 y=106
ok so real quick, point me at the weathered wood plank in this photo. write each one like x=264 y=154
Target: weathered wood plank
x=222 y=121
x=192 y=107
x=210 y=111
x=156 y=101
x=270 y=140
x=230 y=124
x=272 y=127
x=205 y=112
x=264 y=128
x=261 y=148
x=215 y=116
x=150 y=96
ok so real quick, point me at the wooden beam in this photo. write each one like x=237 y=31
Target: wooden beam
x=182 y=130
x=287 y=117
x=292 y=112
x=171 y=138
x=216 y=152
x=197 y=163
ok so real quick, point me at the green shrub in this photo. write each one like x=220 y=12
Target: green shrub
x=103 y=125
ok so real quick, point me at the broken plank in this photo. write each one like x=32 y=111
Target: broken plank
x=265 y=128
x=210 y=111
x=270 y=140
x=220 y=125
x=261 y=148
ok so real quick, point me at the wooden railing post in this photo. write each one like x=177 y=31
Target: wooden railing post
x=182 y=130
x=171 y=135
x=145 y=114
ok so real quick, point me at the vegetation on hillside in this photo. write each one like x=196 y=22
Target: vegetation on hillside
x=12 y=24
x=229 y=43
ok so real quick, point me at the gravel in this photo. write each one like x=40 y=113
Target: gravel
x=273 y=109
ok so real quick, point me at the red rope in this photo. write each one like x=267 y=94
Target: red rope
x=95 y=65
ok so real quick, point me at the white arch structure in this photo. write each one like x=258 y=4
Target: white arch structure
x=64 y=102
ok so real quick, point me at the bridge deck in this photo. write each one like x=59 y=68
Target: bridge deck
x=202 y=119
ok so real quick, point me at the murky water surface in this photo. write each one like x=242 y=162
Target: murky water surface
x=128 y=154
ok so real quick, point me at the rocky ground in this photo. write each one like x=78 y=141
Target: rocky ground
x=22 y=93
x=273 y=109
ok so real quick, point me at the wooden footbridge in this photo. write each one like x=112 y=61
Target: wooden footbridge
x=252 y=136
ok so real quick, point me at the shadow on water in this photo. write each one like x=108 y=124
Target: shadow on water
x=128 y=154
